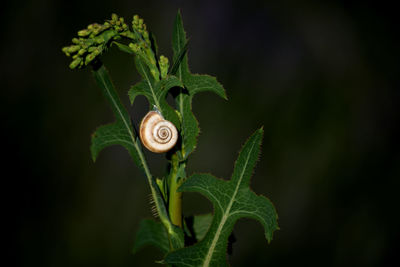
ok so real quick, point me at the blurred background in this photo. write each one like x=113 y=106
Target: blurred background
x=321 y=77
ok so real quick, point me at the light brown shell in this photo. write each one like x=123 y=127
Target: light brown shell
x=157 y=134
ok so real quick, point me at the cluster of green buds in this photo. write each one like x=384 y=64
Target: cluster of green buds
x=143 y=46
x=164 y=66
x=96 y=38
x=140 y=29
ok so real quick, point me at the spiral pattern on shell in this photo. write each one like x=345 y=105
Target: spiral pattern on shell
x=157 y=134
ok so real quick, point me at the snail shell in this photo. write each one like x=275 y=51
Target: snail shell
x=157 y=134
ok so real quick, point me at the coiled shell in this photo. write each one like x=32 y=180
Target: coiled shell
x=157 y=134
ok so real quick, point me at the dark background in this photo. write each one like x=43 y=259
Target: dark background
x=321 y=77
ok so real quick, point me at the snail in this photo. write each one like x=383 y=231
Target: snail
x=157 y=134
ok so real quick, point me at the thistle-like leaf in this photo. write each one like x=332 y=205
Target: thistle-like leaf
x=232 y=200
x=193 y=84
x=197 y=226
x=151 y=233
x=121 y=131
x=155 y=91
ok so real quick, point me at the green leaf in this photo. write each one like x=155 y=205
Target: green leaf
x=151 y=233
x=124 y=48
x=232 y=200
x=197 y=226
x=193 y=84
x=201 y=224
x=178 y=59
x=202 y=83
x=114 y=134
x=179 y=46
x=156 y=92
x=121 y=132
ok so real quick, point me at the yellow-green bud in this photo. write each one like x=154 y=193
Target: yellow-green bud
x=145 y=35
x=73 y=48
x=75 y=63
x=89 y=58
x=81 y=52
x=99 y=39
x=96 y=52
x=114 y=17
x=164 y=65
x=75 y=41
x=135 y=47
x=83 y=33
x=65 y=51
x=104 y=27
x=163 y=60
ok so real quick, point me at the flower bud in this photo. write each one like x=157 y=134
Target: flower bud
x=135 y=47
x=99 y=39
x=73 y=48
x=81 y=52
x=89 y=58
x=164 y=65
x=114 y=17
x=84 y=33
x=75 y=63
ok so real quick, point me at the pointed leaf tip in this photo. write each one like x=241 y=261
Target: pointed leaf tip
x=231 y=200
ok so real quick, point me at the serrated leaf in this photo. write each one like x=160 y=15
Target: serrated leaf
x=193 y=83
x=151 y=233
x=196 y=83
x=231 y=200
x=197 y=226
x=201 y=224
x=114 y=134
x=179 y=44
x=156 y=92
x=121 y=132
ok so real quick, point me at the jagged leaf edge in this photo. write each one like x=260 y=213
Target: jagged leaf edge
x=151 y=233
x=221 y=261
x=121 y=115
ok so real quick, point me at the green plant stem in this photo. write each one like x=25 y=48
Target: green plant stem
x=175 y=197
x=175 y=238
x=103 y=79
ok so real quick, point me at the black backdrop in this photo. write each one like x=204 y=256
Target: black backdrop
x=321 y=77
